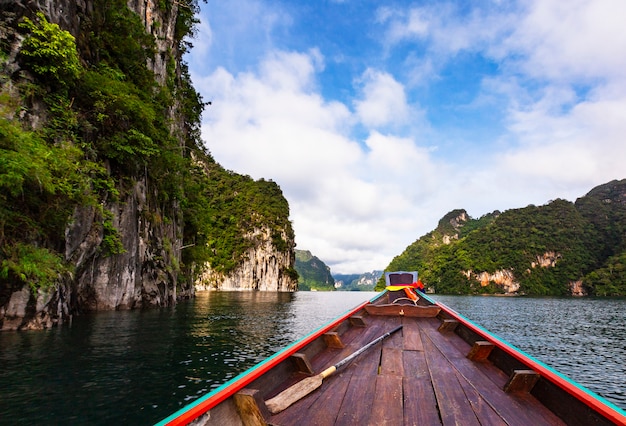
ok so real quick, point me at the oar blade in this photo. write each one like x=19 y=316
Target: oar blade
x=293 y=394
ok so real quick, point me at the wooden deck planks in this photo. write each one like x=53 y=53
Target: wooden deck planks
x=454 y=407
x=323 y=410
x=356 y=403
x=420 y=403
x=319 y=407
x=411 y=334
x=387 y=408
x=391 y=362
x=483 y=390
x=356 y=406
x=485 y=412
x=424 y=377
x=395 y=340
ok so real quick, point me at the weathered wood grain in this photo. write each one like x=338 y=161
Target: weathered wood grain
x=411 y=335
x=387 y=408
x=413 y=311
x=420 y=404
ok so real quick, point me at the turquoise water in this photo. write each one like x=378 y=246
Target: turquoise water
x=138 y=367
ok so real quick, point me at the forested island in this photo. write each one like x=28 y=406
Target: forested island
x=108 y=197
x=560 y=248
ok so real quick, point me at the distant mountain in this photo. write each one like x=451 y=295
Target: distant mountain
x=314 y=274
x=357 y=282
x=560 y=248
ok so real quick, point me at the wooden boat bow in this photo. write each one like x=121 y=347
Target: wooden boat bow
x=440 y=368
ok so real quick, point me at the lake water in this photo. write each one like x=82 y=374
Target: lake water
x=137 y=367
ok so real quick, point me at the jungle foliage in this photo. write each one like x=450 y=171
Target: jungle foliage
x=103 y=126
x=313 y=273
x=587 y=238
x=222 y=208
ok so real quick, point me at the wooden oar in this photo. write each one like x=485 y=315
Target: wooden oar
x=308 y=385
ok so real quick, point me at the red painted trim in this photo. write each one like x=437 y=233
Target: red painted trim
x=547 y=373
x=256 y=372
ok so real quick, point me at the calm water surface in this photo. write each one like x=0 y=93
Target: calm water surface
x=139 y=367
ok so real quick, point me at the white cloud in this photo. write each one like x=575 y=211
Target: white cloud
x=416 y=24
x=443 y=29
x=582 y=146
x=581 y=39
x=357 y=201
x=348 y=202
x=567 y=112
x=383 y=102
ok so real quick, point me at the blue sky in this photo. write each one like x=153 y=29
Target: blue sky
x=378 y=118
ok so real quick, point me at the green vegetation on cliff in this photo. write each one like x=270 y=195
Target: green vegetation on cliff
x=543 y=250
x=357 y=282
x=313 y=273
x=84 y=119
x=222 y=208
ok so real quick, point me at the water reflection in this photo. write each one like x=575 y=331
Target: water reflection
x=138 y=367
x=225 y=333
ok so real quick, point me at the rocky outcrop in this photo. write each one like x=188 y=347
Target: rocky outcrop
x=502 y=278
x=451 y=224
x=505 y=279
x=143 y=274
x=35 y=311
x=547 y=260
x=140 y=276
x=447 y=239
x=264 y=269
x=458 y=221
x=576 y=288
x=368 y=279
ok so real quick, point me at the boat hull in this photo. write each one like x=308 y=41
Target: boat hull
x=439 y=369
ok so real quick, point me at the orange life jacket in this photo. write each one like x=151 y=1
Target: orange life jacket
x=410 y=293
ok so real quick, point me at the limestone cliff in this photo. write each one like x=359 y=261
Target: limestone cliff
x=503 y=279
x=140 y=274
x=507 y=283
x=264 y=268
x=122 y=241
